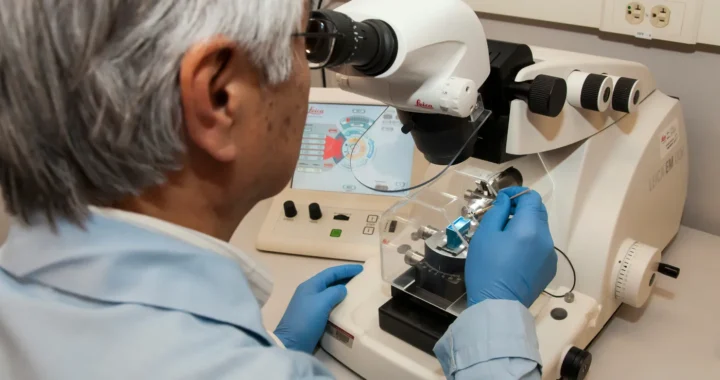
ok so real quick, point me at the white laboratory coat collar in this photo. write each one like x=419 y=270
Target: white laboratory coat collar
x=260 y=280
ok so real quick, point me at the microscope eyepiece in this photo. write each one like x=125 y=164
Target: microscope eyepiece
x=334 y=39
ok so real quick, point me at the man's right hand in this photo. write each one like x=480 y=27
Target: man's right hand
x=511 y=259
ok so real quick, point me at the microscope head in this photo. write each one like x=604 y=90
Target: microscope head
x=418 y=56
x=427 y=58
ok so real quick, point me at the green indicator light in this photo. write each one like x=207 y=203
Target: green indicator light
x=335 y=233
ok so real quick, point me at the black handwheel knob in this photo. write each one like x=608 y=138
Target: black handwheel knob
x=576 y=364
x=547 y=95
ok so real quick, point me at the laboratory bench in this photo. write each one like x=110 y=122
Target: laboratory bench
x=675 y=336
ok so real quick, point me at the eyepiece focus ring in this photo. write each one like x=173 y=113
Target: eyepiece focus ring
x=387 y=49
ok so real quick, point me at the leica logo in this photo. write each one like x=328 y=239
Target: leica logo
x=315 y=111
x=422 y=104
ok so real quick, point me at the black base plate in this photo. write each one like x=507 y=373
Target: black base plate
x=414 y=321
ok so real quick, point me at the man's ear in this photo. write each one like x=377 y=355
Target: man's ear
x=215 y=76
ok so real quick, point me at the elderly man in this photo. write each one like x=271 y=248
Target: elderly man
x=135 y=135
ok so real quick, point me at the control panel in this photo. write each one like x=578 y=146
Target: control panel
x=331 y=224
x=322 y=229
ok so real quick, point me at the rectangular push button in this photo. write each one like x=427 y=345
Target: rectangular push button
x=369 y=230
x=341 y=217
x=335 y=233
x=372 y=218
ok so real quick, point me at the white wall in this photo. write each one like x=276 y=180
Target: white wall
x=691 y=73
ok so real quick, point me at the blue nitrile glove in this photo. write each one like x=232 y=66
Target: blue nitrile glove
x=511 y=259
x=304 y=321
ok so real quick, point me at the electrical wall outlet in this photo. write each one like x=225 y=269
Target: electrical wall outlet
x=700 y=22
x=660 y=16
x=635 y=13
x=668 y=20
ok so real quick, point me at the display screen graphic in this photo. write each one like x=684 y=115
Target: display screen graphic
x=385 y=154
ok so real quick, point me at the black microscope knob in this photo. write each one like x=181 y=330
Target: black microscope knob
x=576 y=364
x=315 y=212
x=626 y=96
x=545 y=95
x=290 y=210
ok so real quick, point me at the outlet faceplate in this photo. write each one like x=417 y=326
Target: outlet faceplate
x=668 y=20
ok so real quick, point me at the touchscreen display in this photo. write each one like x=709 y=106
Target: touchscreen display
x=384 y=156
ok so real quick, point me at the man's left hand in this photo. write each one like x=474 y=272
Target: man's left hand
x=304 y=321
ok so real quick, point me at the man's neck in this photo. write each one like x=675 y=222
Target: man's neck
x=194 y=212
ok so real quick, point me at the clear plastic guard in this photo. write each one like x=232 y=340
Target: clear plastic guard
x=441 y=218
x=383 y=158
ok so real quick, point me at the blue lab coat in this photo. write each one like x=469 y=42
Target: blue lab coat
x=131 y=297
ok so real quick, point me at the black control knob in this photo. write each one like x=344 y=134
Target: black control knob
x=626 y=96
x=669 y=270
x=576 y=364
x=315 y=212
x=545 y=95
x=290 y=210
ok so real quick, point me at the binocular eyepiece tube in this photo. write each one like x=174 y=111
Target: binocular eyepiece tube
x=334 y=39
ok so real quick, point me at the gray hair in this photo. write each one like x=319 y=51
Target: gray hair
x=90 y=108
